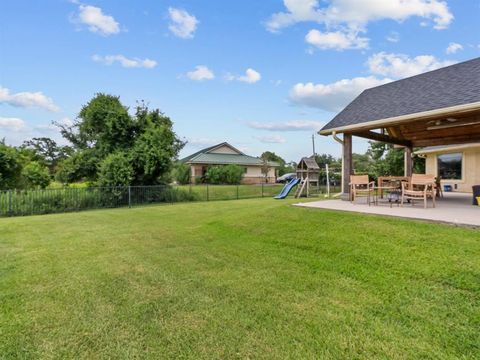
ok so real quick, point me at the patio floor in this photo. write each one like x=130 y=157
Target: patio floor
x=453 y=208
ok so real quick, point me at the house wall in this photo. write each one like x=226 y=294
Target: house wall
x=470 y=169
x=223 y=150
x=253 y=174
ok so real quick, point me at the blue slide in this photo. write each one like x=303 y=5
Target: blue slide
x=287 y=188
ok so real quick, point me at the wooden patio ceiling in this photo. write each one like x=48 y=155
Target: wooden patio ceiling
x=454 y=128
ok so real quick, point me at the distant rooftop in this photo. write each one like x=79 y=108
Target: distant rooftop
x=223 y=154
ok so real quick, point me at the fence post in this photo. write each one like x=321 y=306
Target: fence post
x=207 y=193
x=10 y=210
x=262 y=189
x=237 y=192
x=129 y=196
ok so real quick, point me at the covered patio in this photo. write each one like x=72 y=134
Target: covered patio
x=440 y=107
x=455 y=208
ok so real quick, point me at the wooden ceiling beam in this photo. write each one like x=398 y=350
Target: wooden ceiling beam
x=450 y=140
x=383 y=138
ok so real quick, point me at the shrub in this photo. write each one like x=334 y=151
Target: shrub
x=233 y=174
x=115 y=170
x=181 y=173
x=35 y=175
x=229 y=174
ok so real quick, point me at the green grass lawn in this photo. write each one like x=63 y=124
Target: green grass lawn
x=237 y=279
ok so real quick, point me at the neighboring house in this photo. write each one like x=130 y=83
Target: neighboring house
x=456 y=165
x=226 y=154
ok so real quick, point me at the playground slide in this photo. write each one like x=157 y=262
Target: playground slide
x=287 y=188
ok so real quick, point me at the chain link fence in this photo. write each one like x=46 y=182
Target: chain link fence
x=47 y=201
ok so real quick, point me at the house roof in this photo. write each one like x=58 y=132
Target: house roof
x=444 y=148
x=206 y=156
x=311 y=163
x=448 y=87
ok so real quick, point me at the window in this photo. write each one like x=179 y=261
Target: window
x=450 y=166
x=245 y=170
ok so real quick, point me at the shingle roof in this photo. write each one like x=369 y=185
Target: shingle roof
x=205 y=157
x=453 y=85
x=311 y=163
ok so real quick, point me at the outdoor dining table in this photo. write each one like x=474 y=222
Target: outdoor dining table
x=394 y=194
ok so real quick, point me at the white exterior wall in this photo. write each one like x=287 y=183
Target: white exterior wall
x=470 y=169
x=223 y=150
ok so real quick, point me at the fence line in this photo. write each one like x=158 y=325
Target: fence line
x=47 y=201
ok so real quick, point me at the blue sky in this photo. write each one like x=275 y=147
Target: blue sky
x=262 y=75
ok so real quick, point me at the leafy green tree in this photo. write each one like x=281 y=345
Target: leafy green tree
x=35 y=175
x=10 y=166
x=272 y=157
x=104 y=127
x=116 y=170
x=47 y=151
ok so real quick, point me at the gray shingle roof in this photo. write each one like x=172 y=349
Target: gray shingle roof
x=205 y=157
x=453 y=85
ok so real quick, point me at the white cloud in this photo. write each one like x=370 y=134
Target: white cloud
x=96 y=20
x=393 y=37
x=251 y=76
x=293 y=125
x=11 y=123
x=357 y=14
x=400 y=65
x=271 y=139
x=27 y=99
x=332 y=97
x=201 y=73
x=336 y=40
x=182 y=23
x=125 y=62
x=453 y=48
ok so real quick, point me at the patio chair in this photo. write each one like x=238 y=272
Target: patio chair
x=438 y=187
x=360 y=184
x=420 y=187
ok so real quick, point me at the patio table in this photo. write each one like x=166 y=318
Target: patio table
x=394 y=194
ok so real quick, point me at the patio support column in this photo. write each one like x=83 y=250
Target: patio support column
x=347 y=166
x=408 y=167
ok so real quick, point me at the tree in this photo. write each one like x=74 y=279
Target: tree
x=10 y=166
x=272 y=157
x=266 y=166
x=47 y=152
x=105 y=127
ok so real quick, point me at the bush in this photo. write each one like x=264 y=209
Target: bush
x=229 y=174
x=35 y=175
x=115 y=170
x=233 y=174
x=181 y=173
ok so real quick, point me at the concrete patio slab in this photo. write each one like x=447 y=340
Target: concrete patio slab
x=453 y=208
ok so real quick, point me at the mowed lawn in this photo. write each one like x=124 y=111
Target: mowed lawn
x=237 y=279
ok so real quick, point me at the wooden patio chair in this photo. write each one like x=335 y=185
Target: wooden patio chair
x=360 y=184
x=438 y=187
x=420 y=187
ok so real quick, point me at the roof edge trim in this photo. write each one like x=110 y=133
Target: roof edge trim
x=402 y=118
